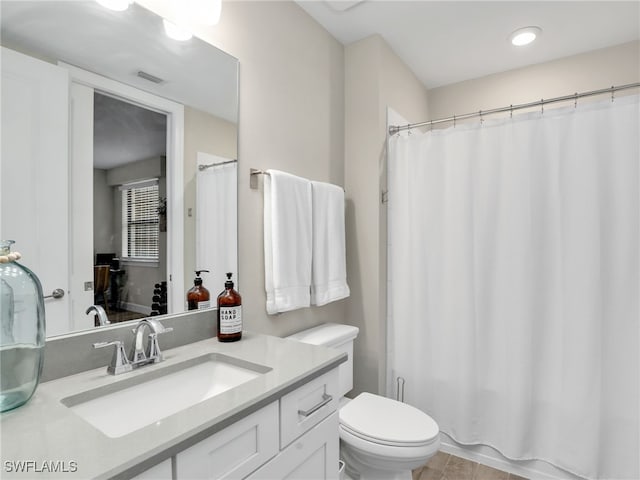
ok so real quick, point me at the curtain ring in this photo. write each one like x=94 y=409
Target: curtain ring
x=454 y=121
x=481 y=118
x=542 y=106
x=408 y=129
x=511 y=111
x=431 y=126
x=612 y=93
x=575 y=100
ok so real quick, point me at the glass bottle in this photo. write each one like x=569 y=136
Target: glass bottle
x=198 y=296
x=229 y=313
x=22 y=332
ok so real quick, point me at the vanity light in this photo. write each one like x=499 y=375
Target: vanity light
x=117 y=5
x=524 y=36
x=176 y=32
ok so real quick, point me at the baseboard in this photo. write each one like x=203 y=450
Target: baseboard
x=532 y=469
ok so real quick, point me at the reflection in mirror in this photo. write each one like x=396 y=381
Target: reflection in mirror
x=104 y=123
x=129 y=228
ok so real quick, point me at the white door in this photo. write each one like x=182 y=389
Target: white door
x=34 y=196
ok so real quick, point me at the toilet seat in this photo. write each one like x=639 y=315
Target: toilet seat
x=384 y=421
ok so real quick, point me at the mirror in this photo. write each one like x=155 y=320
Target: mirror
x=141 y=112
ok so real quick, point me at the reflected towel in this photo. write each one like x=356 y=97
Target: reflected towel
x=329 y=270
x=287 y=241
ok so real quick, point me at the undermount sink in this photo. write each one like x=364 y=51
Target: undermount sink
x=135 y=402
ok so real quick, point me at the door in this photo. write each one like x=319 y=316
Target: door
x=34 y=201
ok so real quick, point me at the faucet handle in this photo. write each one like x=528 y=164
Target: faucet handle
x=154 y=354
x=158 y=327
x=119 y=362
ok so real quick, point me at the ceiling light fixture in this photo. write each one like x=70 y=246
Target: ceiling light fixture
x=524 y=36
x=174 y=31
x=206 y=12
x=117 y=5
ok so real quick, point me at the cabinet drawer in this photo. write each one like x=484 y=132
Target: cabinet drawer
x=306 y=406
x=313 y=456
x=162 y=471
x=234 y=452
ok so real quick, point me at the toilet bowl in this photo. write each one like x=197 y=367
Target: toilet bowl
x=380 y=438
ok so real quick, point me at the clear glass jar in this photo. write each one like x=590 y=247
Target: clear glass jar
x=22 y=332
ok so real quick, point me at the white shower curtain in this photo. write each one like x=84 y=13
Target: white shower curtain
x=514 y=265
x=216 y=222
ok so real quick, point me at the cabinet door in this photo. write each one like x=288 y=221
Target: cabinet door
x=314 y=456
x=235 y=451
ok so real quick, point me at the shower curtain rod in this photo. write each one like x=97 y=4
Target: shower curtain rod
x=393 y=129
x=204 y=167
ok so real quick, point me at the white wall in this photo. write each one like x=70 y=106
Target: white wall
x=374 y=78
x=594 y=70
x=208 y=134
x=291 y=118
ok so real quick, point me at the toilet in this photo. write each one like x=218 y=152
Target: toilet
x=380 y=438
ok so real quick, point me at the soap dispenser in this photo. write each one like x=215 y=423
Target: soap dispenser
x=198 y=297
x=229 y=313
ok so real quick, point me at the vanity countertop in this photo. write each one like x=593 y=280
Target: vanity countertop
x=45 y=435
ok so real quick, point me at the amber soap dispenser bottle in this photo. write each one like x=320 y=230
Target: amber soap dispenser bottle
x=198 y=297
x=229 y=313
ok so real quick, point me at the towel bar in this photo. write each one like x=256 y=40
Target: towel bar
x=253 y=177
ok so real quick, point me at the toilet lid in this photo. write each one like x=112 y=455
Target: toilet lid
x=389 y=422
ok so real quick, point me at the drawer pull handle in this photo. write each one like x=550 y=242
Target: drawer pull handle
x=325 y=399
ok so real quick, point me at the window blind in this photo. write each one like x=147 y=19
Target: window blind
x=140 y=229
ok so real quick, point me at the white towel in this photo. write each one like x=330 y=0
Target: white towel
x=329 y=264
x=287 y=241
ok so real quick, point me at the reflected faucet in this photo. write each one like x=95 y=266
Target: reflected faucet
x=100 y=313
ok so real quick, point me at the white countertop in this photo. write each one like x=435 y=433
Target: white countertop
x=46 y=432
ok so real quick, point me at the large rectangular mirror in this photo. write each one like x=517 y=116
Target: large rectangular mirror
x=119 y=159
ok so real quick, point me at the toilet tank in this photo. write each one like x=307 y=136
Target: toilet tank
x=336 y=336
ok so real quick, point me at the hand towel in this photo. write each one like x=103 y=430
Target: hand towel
x=287 y=241
x=329 y=263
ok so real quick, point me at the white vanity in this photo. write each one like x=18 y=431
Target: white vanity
x=277 y=419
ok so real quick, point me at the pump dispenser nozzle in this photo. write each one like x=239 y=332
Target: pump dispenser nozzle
x=198 y=280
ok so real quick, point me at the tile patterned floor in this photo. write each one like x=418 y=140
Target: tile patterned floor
x=443 y=466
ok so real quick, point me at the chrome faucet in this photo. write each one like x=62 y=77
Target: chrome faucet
x=100 y=313
x=139 y=356
x=153 y=353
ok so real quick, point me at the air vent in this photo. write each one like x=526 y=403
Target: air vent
x=149 y=77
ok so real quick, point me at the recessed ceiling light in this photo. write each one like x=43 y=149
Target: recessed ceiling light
x=117 y=5
x=174 y=31
x=524 y=36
